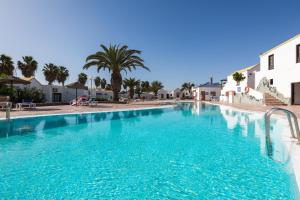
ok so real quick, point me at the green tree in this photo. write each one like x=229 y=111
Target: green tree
x=6 y=65
x=28 y=66
x=131 y=83
x=108 y=87
x=62 y=75
x=145 y=86
x=238 y=77
x=138 y=90
x=156 y=86
x=187 y=86
x=97 y=81
x=50 y=72
x=82 y=78
x=116 y=59
x=103 y=83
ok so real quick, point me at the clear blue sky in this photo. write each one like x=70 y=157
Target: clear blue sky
x=181 y=41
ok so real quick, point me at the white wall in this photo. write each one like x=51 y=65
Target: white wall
x=67 y=94
x=207 y=90
x=286 y=70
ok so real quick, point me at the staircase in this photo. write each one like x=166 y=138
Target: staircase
x=269 y=100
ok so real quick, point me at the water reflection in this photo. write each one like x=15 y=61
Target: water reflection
x=252 y=125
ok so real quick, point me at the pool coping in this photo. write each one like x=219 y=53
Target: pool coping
x=290 y=143
x=89 y=112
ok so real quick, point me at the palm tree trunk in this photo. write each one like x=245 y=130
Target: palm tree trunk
x=116 y=83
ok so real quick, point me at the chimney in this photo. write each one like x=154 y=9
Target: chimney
x=211 y=80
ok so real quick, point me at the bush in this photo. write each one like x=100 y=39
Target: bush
x=30 y=94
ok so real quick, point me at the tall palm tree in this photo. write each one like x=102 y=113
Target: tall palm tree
x=82 y=78
x=103 y=83
x=62 y=75
x=156 y=86
x=28 y=66
x=50 y=72
x=145 y=86
x=116 y=59
x=187 y=86
x=6 y=65
x=97 y=81
x=131 y=83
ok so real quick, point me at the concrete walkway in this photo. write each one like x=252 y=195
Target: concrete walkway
x=295 y=109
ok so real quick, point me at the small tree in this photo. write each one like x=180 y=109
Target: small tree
x=238 y=77
x=97 y=81
x=62 y=75
x=28 y=66
x=156 y=86
x=103 y=83
x=6 y=65
x=82 y=78
x=50 y=72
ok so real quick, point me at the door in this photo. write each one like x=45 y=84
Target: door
x=56 y=97
x=203 y=95
x=296 y=93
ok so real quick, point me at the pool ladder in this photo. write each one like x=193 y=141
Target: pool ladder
x=290 y=115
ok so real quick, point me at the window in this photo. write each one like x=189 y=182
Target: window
x=271 y=62
x=271 y=81
x=298 y=53
x=213 y=93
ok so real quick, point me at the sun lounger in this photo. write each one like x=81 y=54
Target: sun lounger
x=26 y=103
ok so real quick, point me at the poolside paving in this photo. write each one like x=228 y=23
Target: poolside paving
x=44 y=110
x=261 y=108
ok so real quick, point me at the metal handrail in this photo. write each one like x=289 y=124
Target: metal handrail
x=289 y=115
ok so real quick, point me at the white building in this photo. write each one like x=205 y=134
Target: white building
x=249 y=81
x=280 y=67
x=163 y=94
x=207 y=91
x=179 y=94
x=54 y=93
x=102 y=94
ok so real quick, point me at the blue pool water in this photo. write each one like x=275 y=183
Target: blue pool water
x=192 y=151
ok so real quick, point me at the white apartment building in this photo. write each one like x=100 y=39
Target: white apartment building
x=207 y=91
x=249 y=81
x=280 y=66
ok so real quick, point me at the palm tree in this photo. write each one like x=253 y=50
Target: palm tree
x=6 y=65
x=131 y=83
x=50 y=72
x=238 y=77
x=115 y=59
x=97 y=81
x=145 y=86
x=82 y=78
x=28 y=66
x=103 y=83
x=62 y=75
x=156 y=86
x=138 y=90
x=187 y=86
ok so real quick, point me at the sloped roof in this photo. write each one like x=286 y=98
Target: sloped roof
x=208 y=84
x=77 y=85
x=245 y=69
x=282 y=43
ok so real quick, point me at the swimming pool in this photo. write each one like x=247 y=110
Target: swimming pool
x=190 y=151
